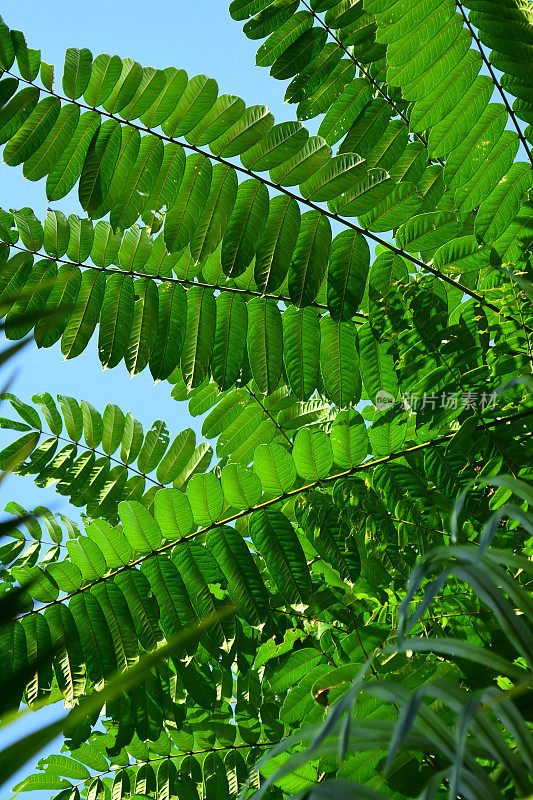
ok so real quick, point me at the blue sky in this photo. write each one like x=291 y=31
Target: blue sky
x=198 y=36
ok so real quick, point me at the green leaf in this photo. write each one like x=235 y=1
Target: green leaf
x=77 y=72
x=278 y=42
x=294 y=668
x=270 y=18
x=349 y=439
x=167 y=99
x=111 y=541
x=447 y=134
x=154 y=445
x=304 y=163
x=80 y=327
x=59 y=305
x=182 y=218
x=125 y=88
x=349 y=262
x=106 y=244
x=132 y=439
x=387 y=432
x=241 y=486
x=277 y=243
x=168 y=587
x=30 y=229
x=369 y=127
x=206 y=498
x=245 y=586
x=247 y=131
x=41 y=782
x=377 y=365
x=176 y=457
x=275 y=468
x=488 y=173
x=116 y=319
x=173 y=513
x=99 y=165
x=334 y=178
x=21 y=316
x=7 y=50
x=51 y=414
x=328 y=76
x=310 y=258
x=265 y=336
x=185 y=557
x=143 y=606
x=216 y=213
x=199 y=336
x=276 y=540
x=282 y=142
x=56 y=233
x=88 y=557
x=339 y=361
x=143 y=327
x=39 y=644
x=169 y=336
x=71 y=157
x=244 y=227
x=196 y=100
x=67 y=767
x=299 y=53
x=167 y=182
x=301 y=343
x=95 y=636
x=230 y=339
x=329 y=534
x=140 y=180
x=215 y=779
x=499 y=209
x=224 y=112
x=140 y=528
x=152 y=83
x=396 y=208
x=342 y=14
x=242 y=9
x=113 y=428
x=14 y=113
x=105 y=73
x=428 y=231
x=369 y=192
x=312 y=453
x=14 y=275
x=33 y=132
x=66 y=574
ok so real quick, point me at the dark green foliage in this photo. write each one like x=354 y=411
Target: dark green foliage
x=351 y=311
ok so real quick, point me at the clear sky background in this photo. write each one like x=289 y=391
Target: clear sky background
x=198 y=36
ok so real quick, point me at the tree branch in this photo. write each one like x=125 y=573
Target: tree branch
x=269 y=415
x=170 y=279
x=267 y=503
x=368 y=76
x=283 y=190
x=495 y=80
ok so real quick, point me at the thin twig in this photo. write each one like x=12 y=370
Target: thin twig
x=267 y=503
x=495 y=80
x=283 y=190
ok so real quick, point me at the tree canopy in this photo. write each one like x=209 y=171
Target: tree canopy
x=334 y=602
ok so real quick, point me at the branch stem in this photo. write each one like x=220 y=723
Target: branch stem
x=267 y=503
x=283 y=190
